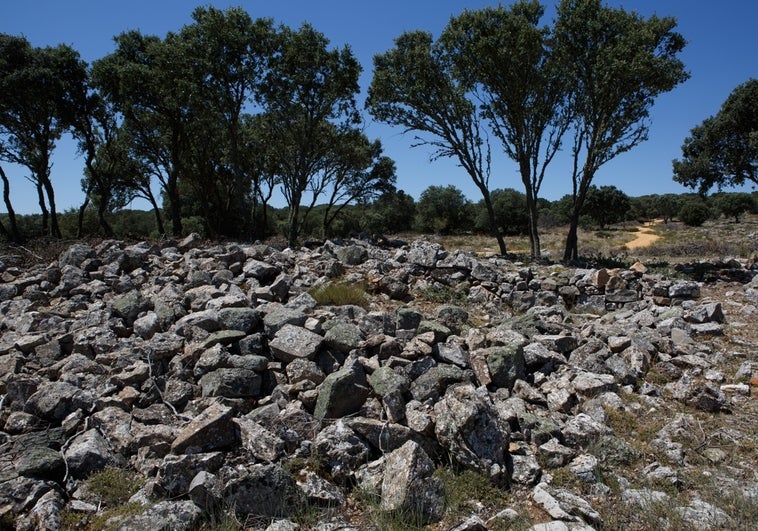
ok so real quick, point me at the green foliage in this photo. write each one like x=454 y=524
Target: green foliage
x=507 y=58
x=511 y=213
x=341 y=294
x=443 y=210
x=114 y=486
x=734 y=205
x=639 y=55
x=36 y=85
x=606 y=205
x=461 y=488
x=415 y=86
x=391 y=213
x=440 y=294
x=723 y=150
x=694 y=213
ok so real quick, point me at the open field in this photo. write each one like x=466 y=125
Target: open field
x=676 y=243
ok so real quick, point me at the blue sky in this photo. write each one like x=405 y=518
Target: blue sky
x=721 y=53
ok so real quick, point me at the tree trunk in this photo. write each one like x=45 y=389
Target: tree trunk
x=293 y=224
x=158 y=220
x=102 y=208
x=55 y=230
x=175 y=207
x=82 y=209
x=534 y=233
x=13 y=234
x=493 y=222
x=43 y=208
x=571 y=252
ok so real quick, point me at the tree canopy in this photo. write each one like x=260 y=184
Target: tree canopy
x=617 y=63
x=723 y=150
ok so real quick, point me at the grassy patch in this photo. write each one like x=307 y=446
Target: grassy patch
x=443 y=295
x=341 y=294
x=114 y=486
x=467 y=487
x=377 y=519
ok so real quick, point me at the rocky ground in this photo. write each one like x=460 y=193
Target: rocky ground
x=353 y=386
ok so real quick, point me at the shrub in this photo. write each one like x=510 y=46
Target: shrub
x=341 y=294
x=694 y=214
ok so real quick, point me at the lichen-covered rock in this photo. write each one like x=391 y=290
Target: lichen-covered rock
x=469 y=428
x=408 y=484
x=210 y=430
x=342 y=392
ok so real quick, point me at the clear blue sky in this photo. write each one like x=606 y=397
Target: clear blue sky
x=722 y=52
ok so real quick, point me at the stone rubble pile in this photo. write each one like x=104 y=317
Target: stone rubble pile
x=214 y=374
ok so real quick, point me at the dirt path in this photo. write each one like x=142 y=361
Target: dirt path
x=645 y=235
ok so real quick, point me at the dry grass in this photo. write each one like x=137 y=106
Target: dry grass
x=678 y=242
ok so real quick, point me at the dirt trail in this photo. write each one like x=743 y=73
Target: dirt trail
x=645 y=235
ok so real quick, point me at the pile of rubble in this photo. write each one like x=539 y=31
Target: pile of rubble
x=212 y=373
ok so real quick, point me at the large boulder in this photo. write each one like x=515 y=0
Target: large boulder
x=470 y=429
x=408 y=485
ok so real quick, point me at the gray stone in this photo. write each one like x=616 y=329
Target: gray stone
x=453 y=317
x=343 y=450
x=440 y=331
x=584 y=467
x=343 y=337
x=40 y=462
x=425 y=254
x=582 y=430
x=54 y=401
x=292 y=342
x=434 y=381
x=88 y=453
x=210 y=430
x=385 y=380
x=76 y=254
x=384 y=436
x=342 y=392
x=260 y=442
x=129 y=305
x=260 y=270
x=249 y=362
x=622 y=296
x=147 y=325
x=247 y=320
x=222 y=337
x=538 y=356
x=469 y=428
x=506 y=365
x=409 y=485
x=408 y=319
x=553 y=454
x=204 y=490
x=46 y=513
x=7 y=292
x=231 y=383
x=452 y=353
x=685 y=289
x=697 y=394
x=280 y=316
x=526 y=470
x=318 y=490
x=174 y=515
x=351 y=255
x=176 y=472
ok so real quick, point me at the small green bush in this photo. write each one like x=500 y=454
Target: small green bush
x=694 y=214
x=341 y=294
x=113 y=485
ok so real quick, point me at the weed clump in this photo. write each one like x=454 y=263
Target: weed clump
x=341 y=294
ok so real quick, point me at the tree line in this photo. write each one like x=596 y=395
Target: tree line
x=228 y=110
x=440 y=210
